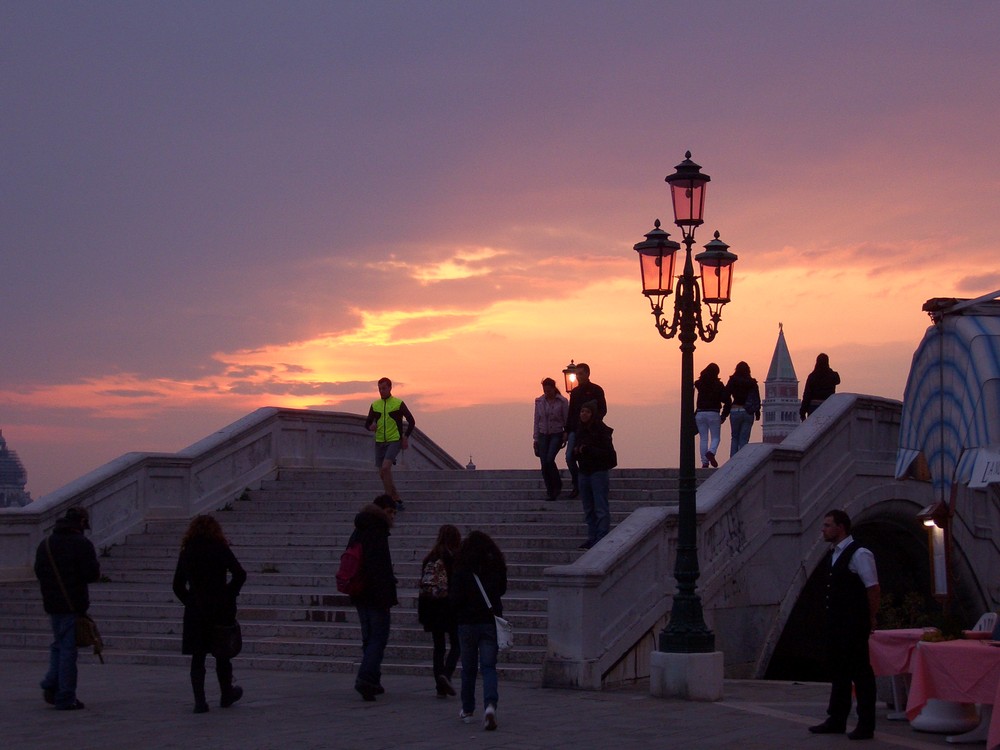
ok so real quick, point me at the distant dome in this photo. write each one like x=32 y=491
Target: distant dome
x=13 y=477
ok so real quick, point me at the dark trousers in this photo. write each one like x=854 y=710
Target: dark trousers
x=61 y=677
x=374 y=637
x=571 y=464
x=548 y=449
x=850 y=664
x=445 y=664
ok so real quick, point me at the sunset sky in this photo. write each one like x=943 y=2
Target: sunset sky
x=209 y=207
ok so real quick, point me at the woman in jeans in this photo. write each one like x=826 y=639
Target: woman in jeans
x=745 y=393
x=479 y=557
x=207 y=581
x=551 y=412
x=712 y=397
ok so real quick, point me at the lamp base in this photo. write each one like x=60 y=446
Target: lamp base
x=686 y=641
x=695 y=677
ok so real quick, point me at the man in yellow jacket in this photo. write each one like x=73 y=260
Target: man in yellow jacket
x=385 y=419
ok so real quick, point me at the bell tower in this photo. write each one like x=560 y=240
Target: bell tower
x=780 y=410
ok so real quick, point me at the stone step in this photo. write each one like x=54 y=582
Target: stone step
x=289 y=534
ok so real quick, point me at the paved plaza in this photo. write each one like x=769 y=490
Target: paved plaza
x=135 y=706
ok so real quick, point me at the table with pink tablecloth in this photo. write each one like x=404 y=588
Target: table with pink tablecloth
x=963 y=671
x=889 y=650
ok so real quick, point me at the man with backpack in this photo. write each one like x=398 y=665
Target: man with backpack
x=372 y=589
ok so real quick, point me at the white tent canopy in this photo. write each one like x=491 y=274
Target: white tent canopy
x=951 y=406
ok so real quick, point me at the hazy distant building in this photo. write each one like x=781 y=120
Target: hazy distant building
x=13 y=478
x=781 y=394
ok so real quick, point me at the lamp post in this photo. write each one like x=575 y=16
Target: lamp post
x=686 y=633
x=569 y=377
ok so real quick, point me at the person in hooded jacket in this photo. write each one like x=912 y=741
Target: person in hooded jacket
x=371 y=529
x=207 y=580
x=821 y=383
x=64 y=596
x=595 y=456
x=477 y=632
x=745 y=394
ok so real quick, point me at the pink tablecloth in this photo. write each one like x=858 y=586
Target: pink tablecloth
x=961 y=671
x=890 y=650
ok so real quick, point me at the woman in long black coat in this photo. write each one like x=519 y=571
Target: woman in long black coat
x=207 y=581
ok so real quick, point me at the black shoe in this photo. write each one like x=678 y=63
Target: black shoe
x=587 y=545
x=378 y=690
x=201 y=707
x=49 y=696
x=367 y=691
x=711 y=459
x=444 y=688
x=861 y=733
x=230 y=696
x=574 y=493
x=828 y=727
x=74 y=706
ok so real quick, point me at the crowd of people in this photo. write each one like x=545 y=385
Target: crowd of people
x=462 y=581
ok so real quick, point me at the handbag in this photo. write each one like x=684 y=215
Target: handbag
x=227 y=641
x=505 y=631
x=87 y=633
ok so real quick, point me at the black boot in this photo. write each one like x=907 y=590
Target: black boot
x=198 y=686
x=230 y=692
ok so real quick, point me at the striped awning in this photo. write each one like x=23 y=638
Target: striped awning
x=951 y=405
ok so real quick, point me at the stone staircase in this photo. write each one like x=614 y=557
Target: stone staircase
x=289 y=535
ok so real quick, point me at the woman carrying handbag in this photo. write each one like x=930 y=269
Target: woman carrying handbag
x=207 y=581
x=479 y=557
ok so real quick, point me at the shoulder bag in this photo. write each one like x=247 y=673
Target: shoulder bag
x=505 y=633
x=87 y=633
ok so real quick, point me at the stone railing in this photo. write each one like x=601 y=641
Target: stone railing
x=758 y=541
x=608 y=600
x=137 y=487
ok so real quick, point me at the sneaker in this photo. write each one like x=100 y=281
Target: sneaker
x=465 y=716
x=490 y=718
x=711 y=459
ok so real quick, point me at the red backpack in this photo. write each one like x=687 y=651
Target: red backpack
x=350 y=574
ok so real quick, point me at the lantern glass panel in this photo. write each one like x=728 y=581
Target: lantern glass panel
x=657 y=272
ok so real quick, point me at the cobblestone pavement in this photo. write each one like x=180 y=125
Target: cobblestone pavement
x=134 y=706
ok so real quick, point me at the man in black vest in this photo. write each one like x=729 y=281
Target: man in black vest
x=852 y=601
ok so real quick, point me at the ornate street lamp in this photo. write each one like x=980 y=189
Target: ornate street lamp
x=686 y=633
x=569 y=376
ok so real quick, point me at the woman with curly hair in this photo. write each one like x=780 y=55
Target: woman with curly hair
x=479 y=562
x=434 y=610
x=207 y=581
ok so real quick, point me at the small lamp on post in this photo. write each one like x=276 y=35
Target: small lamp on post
x=569 y=377
x=935 y=519
x=686 y=632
